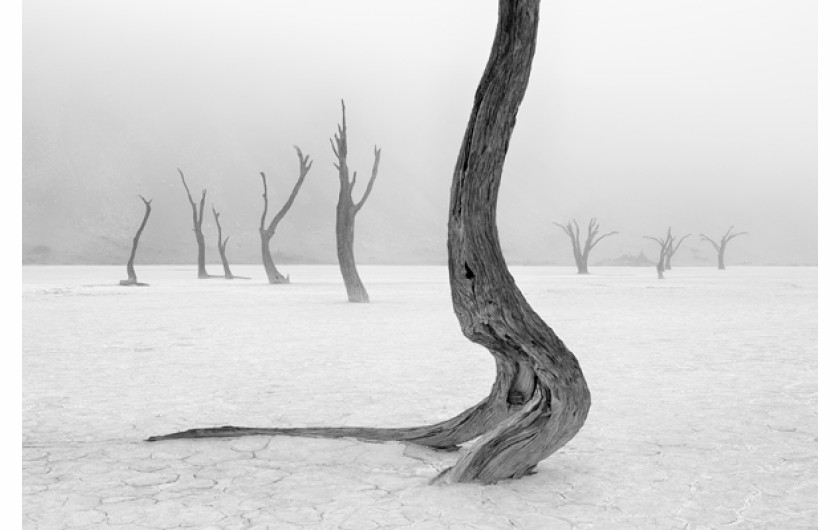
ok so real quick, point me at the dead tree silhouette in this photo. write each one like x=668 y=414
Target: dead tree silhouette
x=132 y=276
x=266 y=233
x=664 y=245
x=197 y=220
x=540 y=398
x=581 y=252
x=346 y=211
x=720 y=247
x=222 y=246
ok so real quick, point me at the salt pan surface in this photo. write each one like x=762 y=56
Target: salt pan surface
x=704 y=390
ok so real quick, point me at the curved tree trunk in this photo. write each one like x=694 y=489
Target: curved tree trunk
x=540 y=399
x=490 y=308
x=721 y=252
x=132 y=276
x=266 y=233
x=271 y=271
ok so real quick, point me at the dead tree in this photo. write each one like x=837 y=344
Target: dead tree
x=581 y=252
x=132 y=276
x=266 y=234
x=540 y=399
x=346 y=210
x=664 y=246
x=197 y=219
x=720 y=247
x=222 y=246
x=672 y=249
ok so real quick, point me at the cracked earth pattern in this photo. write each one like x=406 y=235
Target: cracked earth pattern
x=704 y=391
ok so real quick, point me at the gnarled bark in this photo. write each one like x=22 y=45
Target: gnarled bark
x=132 y=276
x=581 y=252
x=346 y=210
x=720 y=247
x=540 y=399
x=197 y=219
x=266 y=233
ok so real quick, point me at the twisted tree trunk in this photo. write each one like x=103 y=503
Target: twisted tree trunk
x=540 y=399
x=346 y=210
x=132 y=276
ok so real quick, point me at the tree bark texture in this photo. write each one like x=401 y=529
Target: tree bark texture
x=720 y=247
x=581 y=252
x=266 y=233
x=197 y=219
x=346 y=210
x=132 y=276
x=540 y=399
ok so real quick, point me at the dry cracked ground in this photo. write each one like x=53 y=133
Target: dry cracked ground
x=703 y=416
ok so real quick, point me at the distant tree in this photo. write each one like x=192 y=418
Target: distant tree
x=197 y=219
x=540 y=399
x=581 y=252
x=672 y=249
x=222 y=246
x=132 y=276
x=266 y=234
x=346 y=210
x=720 y=247
x=665 y=245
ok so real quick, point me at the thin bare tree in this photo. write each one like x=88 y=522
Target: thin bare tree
x=132 y=276
x=720 y=247
x=197 y=219
x=672 y=249
x=222 y=246
x=274 y=276
x=540 y=398
x=664 y=245
x=581 y=252
x=346 y=210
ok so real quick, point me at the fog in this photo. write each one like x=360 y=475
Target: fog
x=693 y=114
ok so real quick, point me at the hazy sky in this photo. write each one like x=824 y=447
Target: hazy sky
x=696 y=114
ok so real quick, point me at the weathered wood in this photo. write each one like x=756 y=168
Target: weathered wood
x=266 y=233
x=581 y=252
x=132 y=276
x=346 y=211
x=539 y=399
x=721 y=246
x=198 y=220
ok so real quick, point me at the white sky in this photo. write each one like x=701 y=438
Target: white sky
x=697 y=114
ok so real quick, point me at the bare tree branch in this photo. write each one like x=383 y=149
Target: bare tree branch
x=374 y=172
x=304 y=165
